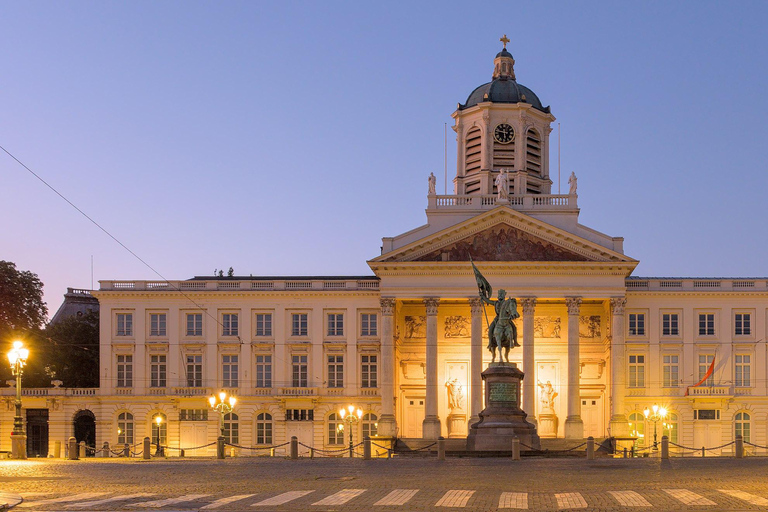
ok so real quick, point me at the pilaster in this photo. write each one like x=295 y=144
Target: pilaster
x=619 y=426
x=529 y=363
x=574 y=426
x=431 y=427
x=387 y=422
x=476 y=360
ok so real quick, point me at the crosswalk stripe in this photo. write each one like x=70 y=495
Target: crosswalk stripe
x=281 y=498
x=223 y=501
x=455 y=498
x=630 y=499
x=570 y=500
x=340 y=497
x=169 y=501
x=123 y=497
x=397 y=497
x=689 y=498
x=65 y=499
x=749 y=498
x=513 y=500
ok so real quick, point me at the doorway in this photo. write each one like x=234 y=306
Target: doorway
x=37 y=433
x=85 y=430
x=414 y=417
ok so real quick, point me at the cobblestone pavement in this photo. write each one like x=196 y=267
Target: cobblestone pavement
x=405 y=484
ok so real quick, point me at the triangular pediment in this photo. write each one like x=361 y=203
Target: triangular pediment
x=503 y=234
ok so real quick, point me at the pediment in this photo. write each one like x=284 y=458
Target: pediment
x=503 y=234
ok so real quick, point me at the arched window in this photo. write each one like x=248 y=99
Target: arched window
x=231 y=428
x=370 y=425
x=472 y=150
x=637 y=428
x=742 y=426
x=264 y=428
x=533 y=152
x=125 y=428
x=335 y=429
x=671 y=427
x=159 y=431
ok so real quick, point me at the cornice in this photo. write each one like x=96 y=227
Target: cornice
x=698 y=293
x=431 y=268
x=225 y=294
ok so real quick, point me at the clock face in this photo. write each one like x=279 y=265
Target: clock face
x=504 y=134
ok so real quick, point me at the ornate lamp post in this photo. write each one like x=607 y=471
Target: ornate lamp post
x=351 y=417
x=159 y=452
x=655 y=414
x=18 y=358
x=223 y=406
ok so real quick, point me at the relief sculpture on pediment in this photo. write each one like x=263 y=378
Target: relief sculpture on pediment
x=502 y=244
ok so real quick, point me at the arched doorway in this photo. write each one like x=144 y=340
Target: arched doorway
x=85 y=430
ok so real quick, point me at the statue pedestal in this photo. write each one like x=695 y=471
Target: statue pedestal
x=547 y=425
x=457 y=425
x=502 y=419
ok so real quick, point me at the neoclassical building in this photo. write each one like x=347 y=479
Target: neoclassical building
x=407 y=343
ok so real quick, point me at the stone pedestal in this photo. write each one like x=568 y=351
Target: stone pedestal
x=502 y=419
x=18 y=446
x=547 y=425
x=457 y=424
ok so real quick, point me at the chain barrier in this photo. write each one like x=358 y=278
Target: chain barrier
x=423 y=448
x=136 y=454
x=756 y=445
x=699 y=450
x=320 y=450
x=256 y=447
x=186 y=449
x=563 y=451
x=118 y=453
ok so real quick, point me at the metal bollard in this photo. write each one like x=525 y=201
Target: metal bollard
x=311 y=453
x=590 y=448
x=664 y=447
x=271 y=452
x=126 y=450
x=220 y=447
x=147 y=452
x=367 y=448
x=82 y=449
x=57 y=449
x=739 y=447
x=181 y=452
x=703 y=451
x=441 y=448
x=625 y=452
x=294 y=447
x=105 y=450
x=515 y=448
x=72 y=448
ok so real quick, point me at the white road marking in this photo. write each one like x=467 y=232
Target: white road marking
x=397 y=497
x=749 y=498
x=340 y=497
x=630 y=499
x=281 y=498
x=455 y=498
x=513 y=500
x=169 y=501
x=689 y=498
x=570 y=500
x=122 y=497
x=223 y=501
x=65 y=499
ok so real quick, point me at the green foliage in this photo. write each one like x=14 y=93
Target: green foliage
x=72 y=352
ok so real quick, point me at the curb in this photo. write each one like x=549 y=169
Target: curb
x=9 y=500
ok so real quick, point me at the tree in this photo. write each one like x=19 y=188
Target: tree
x=22 y=310
x=72 y=353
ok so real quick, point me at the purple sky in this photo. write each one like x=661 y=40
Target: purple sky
x=288 y=138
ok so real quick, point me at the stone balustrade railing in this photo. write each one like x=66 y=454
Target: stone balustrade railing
x=243 y=285
x=488 y=201
x=32 y=392
x=696 y=284
x=710 y=391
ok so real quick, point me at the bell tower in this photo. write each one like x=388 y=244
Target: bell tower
x=502 y=125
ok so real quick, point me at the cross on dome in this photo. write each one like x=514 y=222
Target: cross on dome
x=504 y=40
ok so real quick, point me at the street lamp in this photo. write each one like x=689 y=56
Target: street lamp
x=655 y=414
x=18 y=358
x=223 y=406
x=351 y=417
x=160 y=452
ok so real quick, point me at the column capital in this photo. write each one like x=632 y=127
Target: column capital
x=475 y=305
x=573 y=304
x=431 y=303
x=387 y=306
x=529 y=305
x=617 y=305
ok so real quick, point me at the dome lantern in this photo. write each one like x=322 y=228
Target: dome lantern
x=504 y=63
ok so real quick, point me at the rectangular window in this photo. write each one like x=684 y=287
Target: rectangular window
x=229 y=371
x=335 y=324
x=706 y=324
x=124 y=371
x=671 y=371
x=743 y=323
x=369 y=372
x=299 y=377
x=704 y=363
x=299 y=415
x=263 y=324
x=124 y=324
x=743 y=371
x=157 y=323
x=263 y=371
x=229 y=325
x=636 y=371
x=670 y=324
x=299 y=324
x=335 y=371
x=369 y=324
x=157 y=371
x=194 y=324
x=193 y=415
x=637 y=324
x=194 y=371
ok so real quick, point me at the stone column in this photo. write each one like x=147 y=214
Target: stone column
x=476 y=360
x=430 y=428
x=619 y=425
x=529 y=362
x=574 y=426
x=387 y=422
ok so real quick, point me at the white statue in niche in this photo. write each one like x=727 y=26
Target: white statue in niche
x=548 y=395
x=455 y=393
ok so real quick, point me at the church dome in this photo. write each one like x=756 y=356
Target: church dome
x=504 y=91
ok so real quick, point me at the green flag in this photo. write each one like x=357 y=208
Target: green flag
x=483 y=286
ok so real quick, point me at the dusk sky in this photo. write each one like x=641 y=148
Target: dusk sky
x=286 y=138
